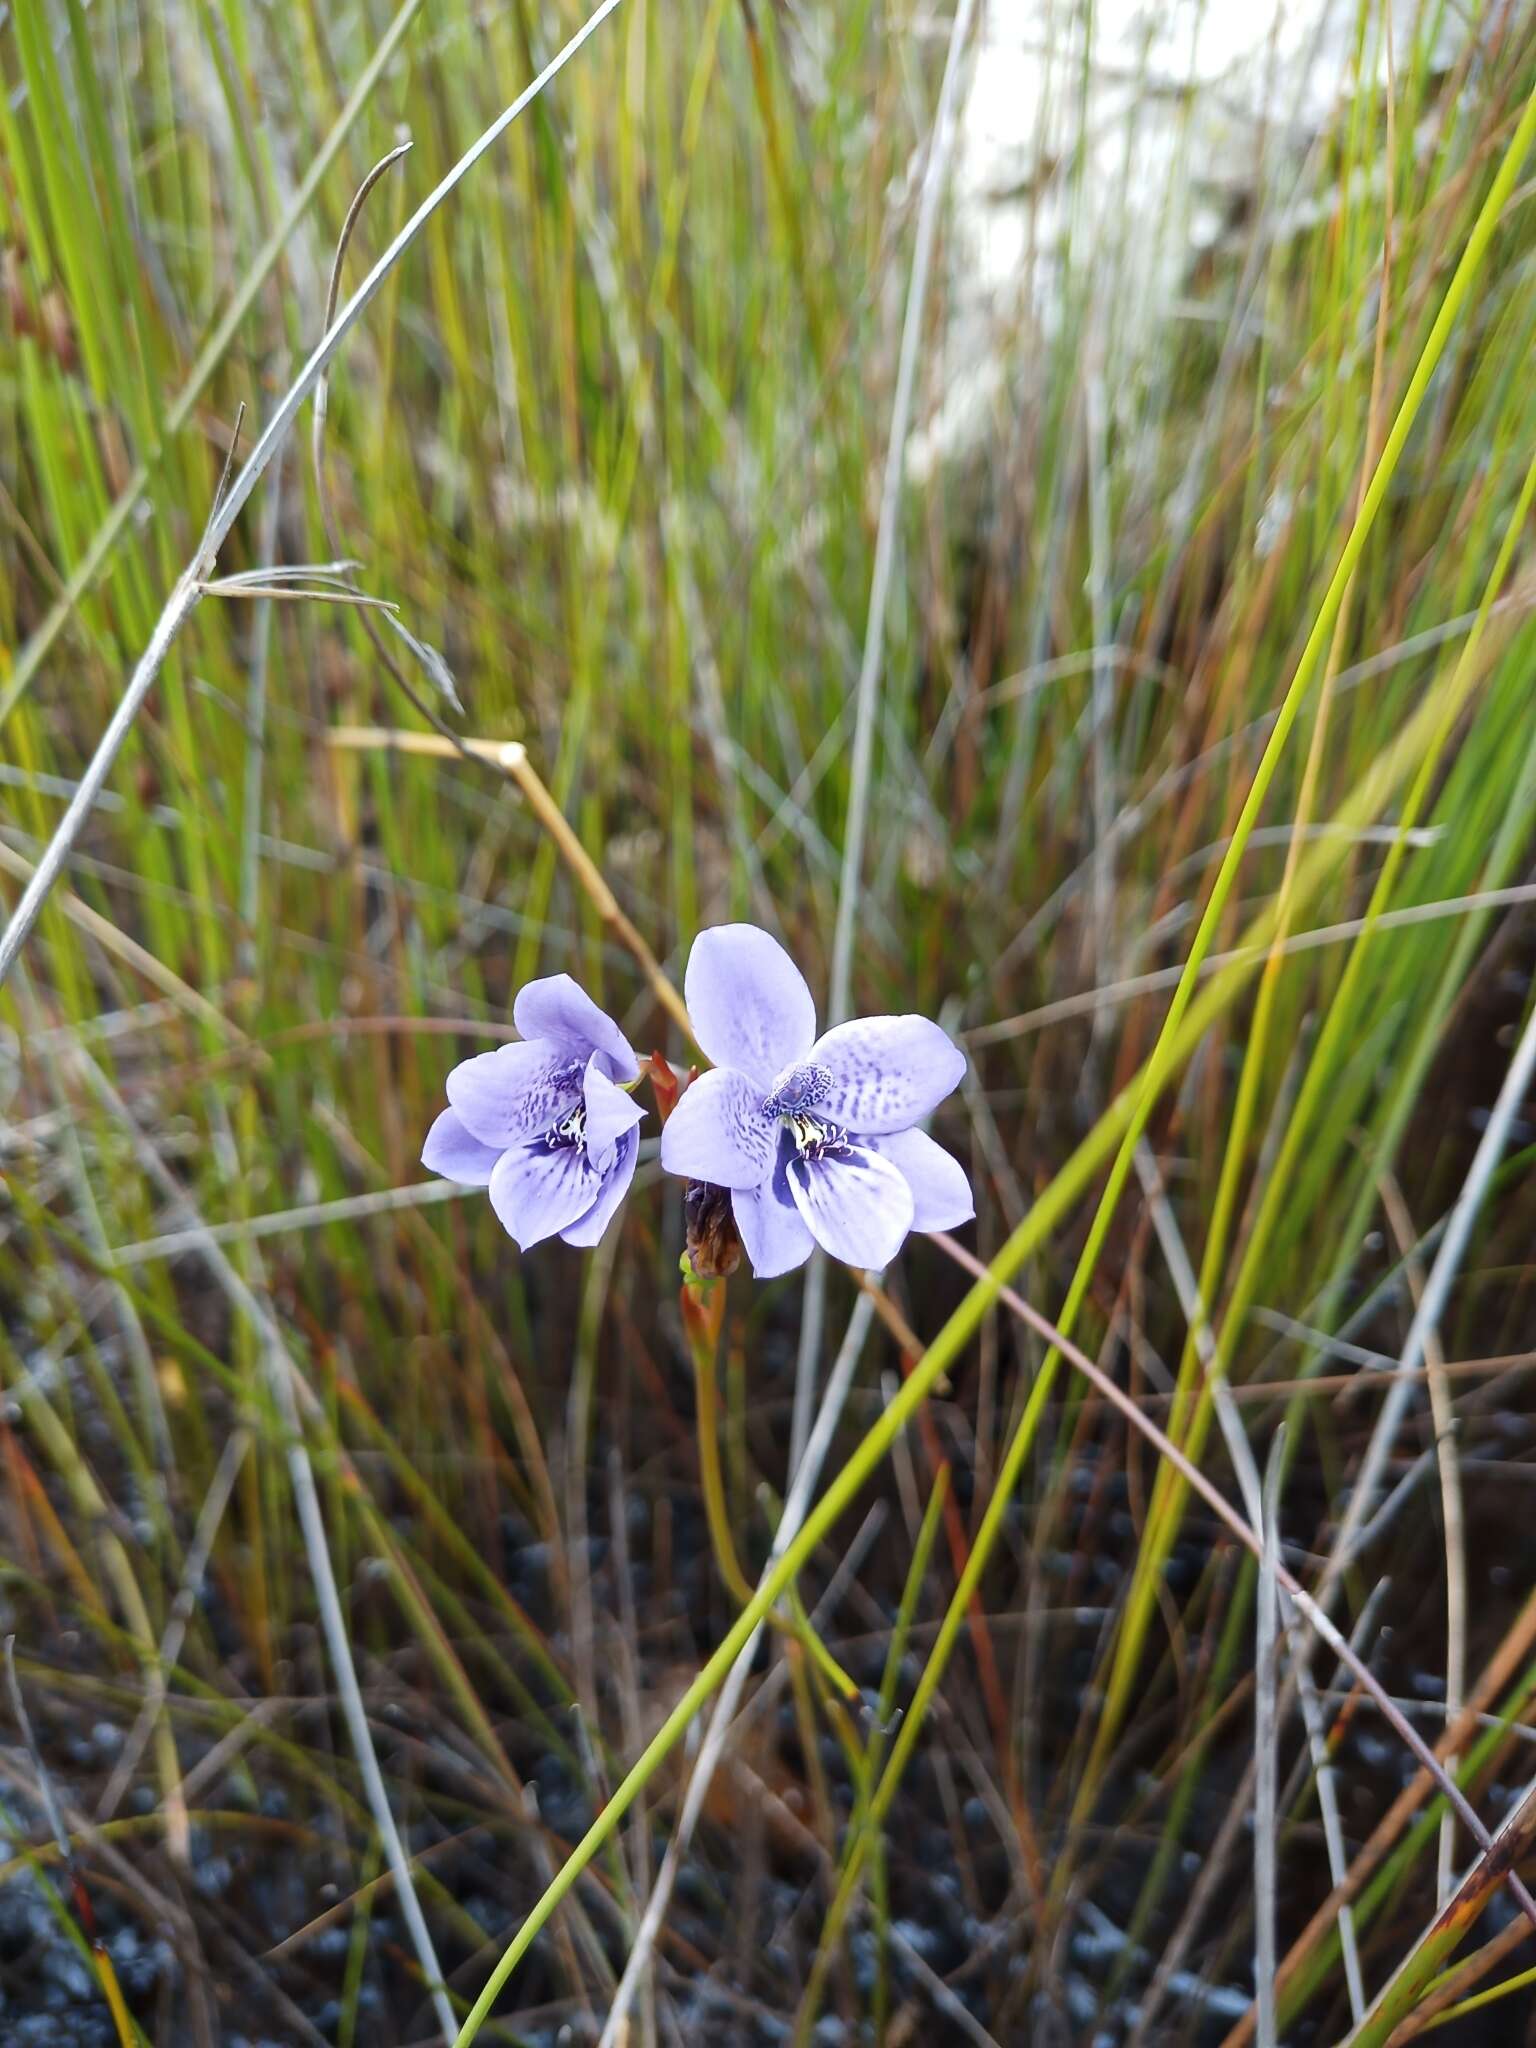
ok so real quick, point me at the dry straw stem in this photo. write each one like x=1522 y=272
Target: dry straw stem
x=179 y=413
x=1453 y=1513
x=717 y=1734
x=511 y=757
x=106 y=1973
x=1158 y=978
x=1299 y=1679
x=1122 y=1125
x=867 y=688
x=1266 y=1748
x=1454 y=1988
x=128 y=950
x=1460 y=1912
x=1252 y=1540
x=290 y=1393
x=1167 y=1501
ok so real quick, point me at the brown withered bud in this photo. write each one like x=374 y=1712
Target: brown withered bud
x=713 y=1245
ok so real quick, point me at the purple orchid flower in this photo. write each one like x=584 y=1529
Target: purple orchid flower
x=543 y=1123
x=815 y=1137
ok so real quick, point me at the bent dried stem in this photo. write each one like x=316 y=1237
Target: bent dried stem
x=511 y=757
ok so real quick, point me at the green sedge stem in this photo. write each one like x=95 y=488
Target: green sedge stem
x=702 y=1342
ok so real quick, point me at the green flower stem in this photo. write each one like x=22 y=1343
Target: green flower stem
x=702 y=1303
x=702 y=1308
x=866 y=1841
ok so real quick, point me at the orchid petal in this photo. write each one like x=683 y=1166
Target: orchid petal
x=586 y=1230
x=457 y=1154
x=750 y=1006
x=610 y=1113
x=720 y=1131
x=941 y=1194
x=772 y=1230
x=856 y=1204
x=559 y=1010
x=885 y=1073
x=515 y=1093
x=540 y=1189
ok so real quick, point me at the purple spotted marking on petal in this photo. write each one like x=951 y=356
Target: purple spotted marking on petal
x=587 y=1229
x=798 y=1089
x=887 y=1073
x=773 y=1232
x=517 y=1092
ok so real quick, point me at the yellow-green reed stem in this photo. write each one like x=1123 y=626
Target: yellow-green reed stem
x=112 y=1991
x=703 y=1302
x=590 y=622
x=1132 y=1633
x=1050 y=1210
x=181 y=408
x=1522 y=1981
x=1170 y=1493
x=1245 y=1108
x=95 y=1511
x=865 y=1838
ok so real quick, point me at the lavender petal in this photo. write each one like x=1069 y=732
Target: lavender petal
x=610 y=1113
x=586 y=1230
x=750 y=1006
x=719 y=1131
x=887 y=1073
x=515 y=1093
x=773 y=1232
x=540 y=1189
x=941 y=1194
x=453 y=1151
x=559 y=1010
x=855 y=1204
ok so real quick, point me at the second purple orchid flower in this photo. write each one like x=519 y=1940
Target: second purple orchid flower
x=547 y=1124
x=816 y=1138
